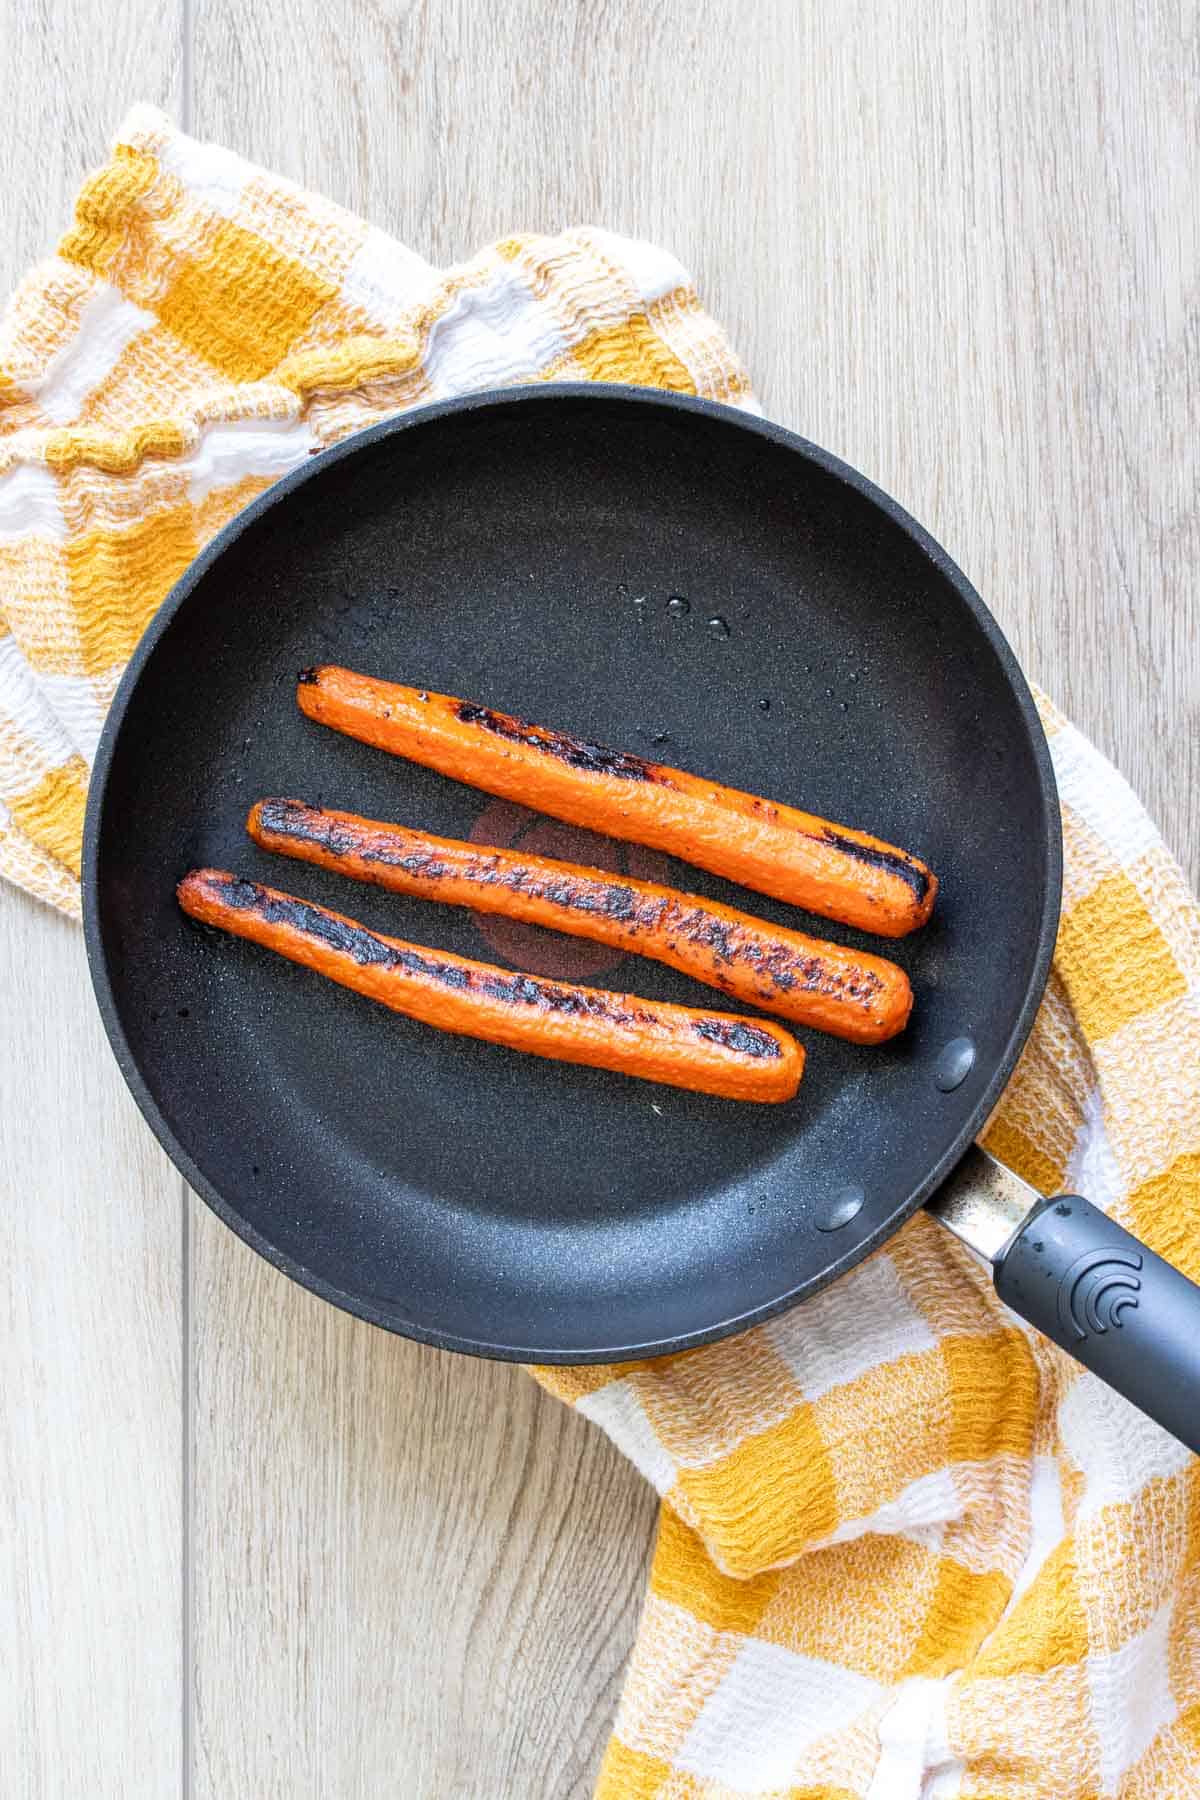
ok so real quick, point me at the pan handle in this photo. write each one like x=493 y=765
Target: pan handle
x=1087 y=1284
x=1111 y=1303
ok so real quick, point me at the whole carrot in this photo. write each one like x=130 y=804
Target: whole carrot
x=828 y=869
x=850 y=993
x=709 y=1052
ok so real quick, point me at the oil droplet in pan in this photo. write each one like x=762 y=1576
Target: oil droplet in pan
x=717 y=627
x=840 y=1207
x=679 y=606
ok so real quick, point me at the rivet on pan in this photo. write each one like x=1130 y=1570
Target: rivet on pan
x=954 y=1064
x=845 y=1204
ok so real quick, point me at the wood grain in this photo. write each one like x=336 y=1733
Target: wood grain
x=415 y=1574
x=69 y=69
x=963 y=256
x=91 y=1499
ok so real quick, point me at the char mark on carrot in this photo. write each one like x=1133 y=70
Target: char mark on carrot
x=576 y=752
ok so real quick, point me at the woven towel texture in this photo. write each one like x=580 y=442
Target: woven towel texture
x=907 y=1551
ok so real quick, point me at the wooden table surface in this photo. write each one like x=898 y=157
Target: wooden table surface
x=250 y=1547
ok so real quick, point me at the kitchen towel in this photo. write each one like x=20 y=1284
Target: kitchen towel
x=907 y=1550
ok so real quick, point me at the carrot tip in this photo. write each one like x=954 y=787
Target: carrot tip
x=189 y=890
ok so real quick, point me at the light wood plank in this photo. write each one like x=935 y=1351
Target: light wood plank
x=415 y=1574
x=69 y=70
x=91 y=1401
x=999 y=324
x=91 y=1497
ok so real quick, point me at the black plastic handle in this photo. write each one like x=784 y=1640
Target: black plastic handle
x=1112 y=1304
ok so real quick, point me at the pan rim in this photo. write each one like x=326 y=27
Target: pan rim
x=365 y=1307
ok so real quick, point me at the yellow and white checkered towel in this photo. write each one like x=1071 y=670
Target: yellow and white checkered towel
x=907 y=1549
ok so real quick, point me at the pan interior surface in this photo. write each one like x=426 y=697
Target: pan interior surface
x=659 y=576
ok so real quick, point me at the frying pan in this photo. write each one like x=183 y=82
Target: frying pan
x=670 y=577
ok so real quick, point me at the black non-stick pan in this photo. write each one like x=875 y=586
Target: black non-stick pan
x=668 y=577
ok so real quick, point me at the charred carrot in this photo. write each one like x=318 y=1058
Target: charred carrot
x=829 y=869
x=847 y=992
x=709 y=1052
